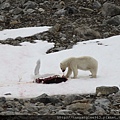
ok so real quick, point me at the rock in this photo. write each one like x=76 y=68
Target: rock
x=64 y=112
x=58 y=5
x=62 y=35
x=1 y=1
x=17 y=11
x=28 y=11
x=9 y=104
x=7 y=113
x=31 y=107
x=44 y=98
x=5 y=6
x=38 y=36
x=14 y=22
x=7 y=94
x=55 y=29
x=55 y=49
x=103 y=103
x=1 y=109
x=2 y=99
x=115 y=112
x=104 y=90
x=85 y=104
x=44 y=111
x=97 y=5
x=22 y=2
x=113 y=21
x=109 y=9
x=71 y=10
x=62 y=38
x=79 y=106
x=10 y=109
x=69 y=15
x=86 y=32
x=116 y=98
x=60 y=12
x=2 y=18
x=99 y=111
x=41 y=10
x=70 y=98
x=30 y=5
x=88 y=10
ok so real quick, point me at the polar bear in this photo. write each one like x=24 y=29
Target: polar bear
x=82 y=63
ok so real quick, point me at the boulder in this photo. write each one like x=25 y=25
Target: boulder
x=44 y=98
x=106 y=90
x=110 y=9
x=113 y=21
x=86 y=32
x=83 y=107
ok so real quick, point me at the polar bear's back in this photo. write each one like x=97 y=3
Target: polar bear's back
x=86 y=62
x=87 y=58
x=83 y=63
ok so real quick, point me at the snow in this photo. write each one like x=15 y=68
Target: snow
x=17 y=65
x=21 y=32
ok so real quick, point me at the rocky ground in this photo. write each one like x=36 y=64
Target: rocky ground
x=72 y=21
x=106 y=101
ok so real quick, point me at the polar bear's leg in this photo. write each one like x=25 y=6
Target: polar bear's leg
x=69 y=72
x=93 y=72
x=75 y=71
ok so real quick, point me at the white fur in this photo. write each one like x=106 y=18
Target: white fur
x=82 y=63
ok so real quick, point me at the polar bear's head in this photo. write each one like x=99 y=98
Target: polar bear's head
x=63 y=67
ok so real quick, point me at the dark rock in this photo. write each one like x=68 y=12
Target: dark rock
x=17 y=11
x=64 y=112
x=2 y=99
x=55 y=29
x=116 y=98
x=7 y=113
x=1 y=1
x=96 y=5
x=87 y=10
x=30 y=4
x=99 y=111
x=109 y=9
x=64 y=16
x=1 y=109
x=82 y=107
x=71 y=10
x=29 y=11
x=5 y=6
x=44 y=98
x=41 y=10
x=2 y=18
x=106 y=90
x=55 y=49
x=86 y=32
x=114 y=20
x=7 y=94
x=60 y=12
x=58 y=5
x=70 y=98
x=103 y=103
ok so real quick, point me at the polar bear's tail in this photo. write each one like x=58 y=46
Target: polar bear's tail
x=37 y=68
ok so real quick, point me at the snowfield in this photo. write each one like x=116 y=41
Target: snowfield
x=17 y=65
